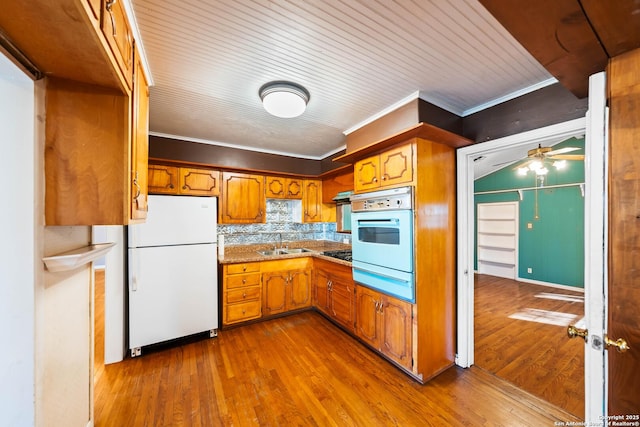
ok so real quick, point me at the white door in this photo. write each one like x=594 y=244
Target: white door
x=173 y=293
x=595 y=239
x=595 y=286
x=176 y=220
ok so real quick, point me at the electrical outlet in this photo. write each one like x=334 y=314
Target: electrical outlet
x=529 y=225
x=529 y=270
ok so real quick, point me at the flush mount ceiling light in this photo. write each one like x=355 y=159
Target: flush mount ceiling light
x=284 y=99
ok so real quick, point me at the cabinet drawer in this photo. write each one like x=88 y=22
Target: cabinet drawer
x=250 y=293
x=243 y=311
x=243 y=268
x=242 y=280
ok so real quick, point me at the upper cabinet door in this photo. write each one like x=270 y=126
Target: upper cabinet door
x=366 y=174
x=312 y=200
x=199 y=182
x=140 y=143
x=396 y=166
x=163 y=179
x=115 y=27
x=275 y=187
x=243 y=200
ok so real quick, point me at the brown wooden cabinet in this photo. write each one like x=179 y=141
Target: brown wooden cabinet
x=334 y=292
x=241 y=293
x=94 y=118
x=139 y=142
x=116 y=30
x=429 y=166
x=199 y=182
x=165 y=179
x=286 y=285
x=385 y=323
x=243 y=200
x=312 y=200
x=391 y=168
x=162 y=179
x=277 y=187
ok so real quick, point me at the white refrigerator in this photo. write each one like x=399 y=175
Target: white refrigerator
x=173 y=275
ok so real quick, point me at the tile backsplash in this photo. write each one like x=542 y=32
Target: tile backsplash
x=280 y=226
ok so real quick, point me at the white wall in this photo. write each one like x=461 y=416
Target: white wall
x=114 y=290
x=16 y=246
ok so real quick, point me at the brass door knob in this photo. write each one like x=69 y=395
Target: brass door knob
x=573 y=332
x=620 y=344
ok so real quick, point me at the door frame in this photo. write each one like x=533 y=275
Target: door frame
x=595 y=219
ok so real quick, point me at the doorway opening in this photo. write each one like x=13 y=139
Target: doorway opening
x=513 y=328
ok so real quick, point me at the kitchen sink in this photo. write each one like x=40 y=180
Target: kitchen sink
x=296 y=251
x=272 y=252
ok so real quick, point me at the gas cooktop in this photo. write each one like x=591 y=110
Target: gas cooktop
x=344 y=255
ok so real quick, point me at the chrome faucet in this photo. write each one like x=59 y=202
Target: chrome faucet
x=279 y=246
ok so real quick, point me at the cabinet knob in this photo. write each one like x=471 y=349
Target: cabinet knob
x=375 y=179
x=171 y=186
x=244 y=281
x=244 y=268
x=384 y=177
x=244 y=295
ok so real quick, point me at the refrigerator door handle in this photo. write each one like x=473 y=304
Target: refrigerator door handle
x=134 y=266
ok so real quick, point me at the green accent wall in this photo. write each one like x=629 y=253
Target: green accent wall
x=554 y=245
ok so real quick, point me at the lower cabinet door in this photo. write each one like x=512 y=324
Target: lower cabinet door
x=274 y=288
x=342 y=303
x=321 y=290
x=396 y=330
x=299 y=289
x=367 y=324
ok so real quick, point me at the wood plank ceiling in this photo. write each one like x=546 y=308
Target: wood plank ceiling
x=356 y=58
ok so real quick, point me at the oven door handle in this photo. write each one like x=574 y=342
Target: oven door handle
x=386 y=276
x=368 y=222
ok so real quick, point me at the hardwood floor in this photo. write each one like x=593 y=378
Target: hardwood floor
x=520 y=336
x=299 y=370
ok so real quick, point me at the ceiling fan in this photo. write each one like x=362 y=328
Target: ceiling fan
x=538 y=156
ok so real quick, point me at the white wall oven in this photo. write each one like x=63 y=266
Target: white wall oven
x=382 y=246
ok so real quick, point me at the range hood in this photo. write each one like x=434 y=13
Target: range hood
x=343 y=197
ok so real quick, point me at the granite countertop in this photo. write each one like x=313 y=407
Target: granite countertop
x=249 y=253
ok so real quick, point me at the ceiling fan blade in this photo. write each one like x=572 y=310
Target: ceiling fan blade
x=568 y=157
x=561 y=151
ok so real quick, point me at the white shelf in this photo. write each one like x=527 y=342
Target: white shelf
x=76 y=258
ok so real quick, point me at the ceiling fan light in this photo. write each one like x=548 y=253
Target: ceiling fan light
x=535 y=165
x=523 y=171
x=560 y=164
x=542 y=171
x=284 y=99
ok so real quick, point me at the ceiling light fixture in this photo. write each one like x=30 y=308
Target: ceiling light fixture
x=284 y=99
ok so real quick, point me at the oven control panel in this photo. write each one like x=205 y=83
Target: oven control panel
x=397 y=198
